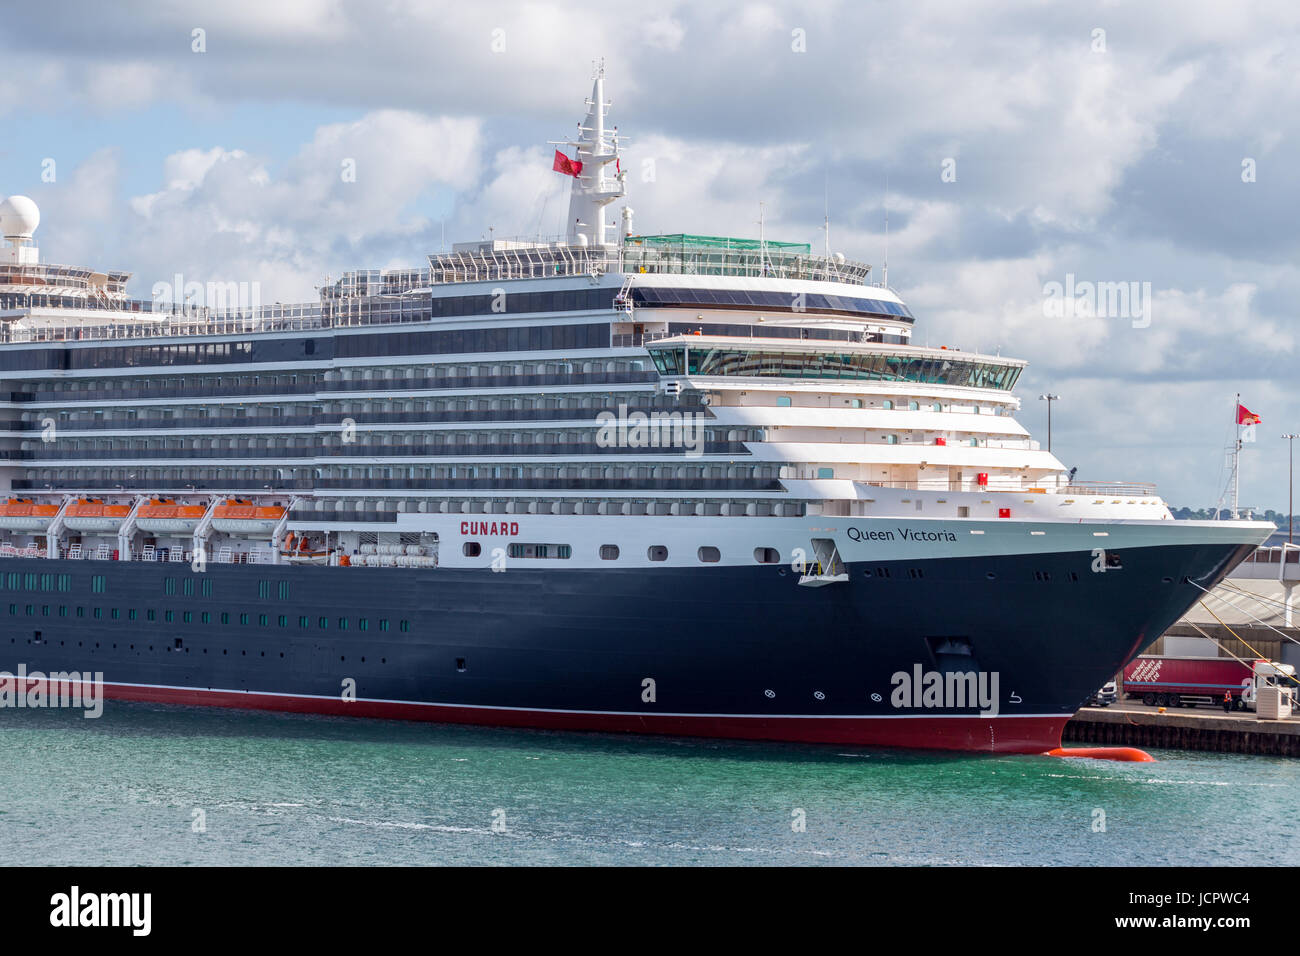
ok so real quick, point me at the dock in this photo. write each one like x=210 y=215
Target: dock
x=1237 y=733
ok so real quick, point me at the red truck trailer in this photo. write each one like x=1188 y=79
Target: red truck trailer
x=1174 y=681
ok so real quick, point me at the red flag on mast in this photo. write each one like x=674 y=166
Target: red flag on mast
x=1246 y=417
x=562 y=164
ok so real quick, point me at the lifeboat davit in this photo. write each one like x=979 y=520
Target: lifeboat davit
x=167 y=516
x=90 y=514
x=22 y=514
x=244 y=517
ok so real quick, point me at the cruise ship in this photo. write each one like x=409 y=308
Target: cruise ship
x=667 y=484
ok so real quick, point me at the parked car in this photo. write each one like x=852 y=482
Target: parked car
x=1104 y=697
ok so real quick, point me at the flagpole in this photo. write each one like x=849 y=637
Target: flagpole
x=1236 y=457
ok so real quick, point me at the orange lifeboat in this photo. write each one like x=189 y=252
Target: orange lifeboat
x=165 y=515
x=244 y=517
x=23 y=514
x=92 y=514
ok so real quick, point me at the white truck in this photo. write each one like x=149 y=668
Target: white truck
x=1269 y=674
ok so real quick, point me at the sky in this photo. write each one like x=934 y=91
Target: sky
x=1019 y=150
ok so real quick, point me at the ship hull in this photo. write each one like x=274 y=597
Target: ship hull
x=730 y=652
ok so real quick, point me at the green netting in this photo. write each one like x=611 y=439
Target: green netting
x=684 y=241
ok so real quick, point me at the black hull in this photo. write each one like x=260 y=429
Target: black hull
x=731 y=651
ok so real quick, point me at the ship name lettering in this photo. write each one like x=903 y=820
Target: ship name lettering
x=489 y=527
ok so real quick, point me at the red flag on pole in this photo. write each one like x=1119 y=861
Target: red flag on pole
x=562 y=164
x=1246 y=417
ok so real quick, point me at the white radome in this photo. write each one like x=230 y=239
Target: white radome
x=19 y=217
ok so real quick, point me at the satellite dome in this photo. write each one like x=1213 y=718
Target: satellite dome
x=19 y=218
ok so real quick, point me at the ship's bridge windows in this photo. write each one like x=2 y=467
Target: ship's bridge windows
x=755 y=362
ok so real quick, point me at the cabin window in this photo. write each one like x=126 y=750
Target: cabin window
x=767 y=555
x=825 y=472
x=609 y=552
x=657 y=552
x=783 y=401
x=709 y=554
x=472 y=549
x=520 y=550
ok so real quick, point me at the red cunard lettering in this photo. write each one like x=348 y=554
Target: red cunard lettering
x=489 y=527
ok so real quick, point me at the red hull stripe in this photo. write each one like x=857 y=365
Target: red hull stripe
x=1010 y=734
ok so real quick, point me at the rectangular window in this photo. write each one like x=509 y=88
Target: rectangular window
x=243 y=619
x=97 y=583
x=323 y=623
x=207 y=587
x=169 y=585
x=169 y=616
x=99 y=611
x=284 y=590
x=187 y=586
x=363 y=624
x=206 y=617
x=81 y=611
x=261 y=620
x=383 y=623
x=63 y=610
x=540 y=551
x=264 y=589
x=403 y=626
x=132 y=614
x=304 y=621
x=115 y=613
x=150 y=614
x=65 y=582
x=343 y=624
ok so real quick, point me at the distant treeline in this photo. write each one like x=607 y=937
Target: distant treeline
x=1206 y=514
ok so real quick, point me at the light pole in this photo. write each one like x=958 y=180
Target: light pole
x=1290 y=485
x=1049 y=398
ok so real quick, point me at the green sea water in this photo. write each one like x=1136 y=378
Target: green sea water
x=148 y=784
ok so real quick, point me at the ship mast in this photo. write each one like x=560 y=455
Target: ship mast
x=592 y=188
